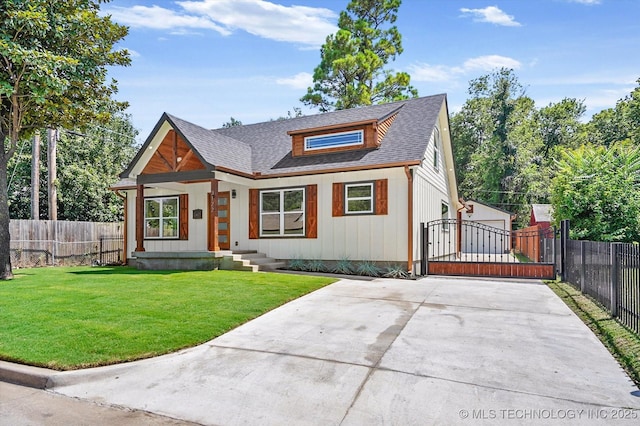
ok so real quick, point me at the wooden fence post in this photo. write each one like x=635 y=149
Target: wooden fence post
x=583 y=258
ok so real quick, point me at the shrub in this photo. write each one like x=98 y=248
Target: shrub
x=368 y=268
x=396 y=271
x=344 y=266
x=296 y=264
x=316 y=265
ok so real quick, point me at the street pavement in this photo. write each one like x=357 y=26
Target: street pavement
x=398 y=352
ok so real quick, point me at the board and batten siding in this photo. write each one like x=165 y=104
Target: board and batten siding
x=432 y=186
x=358 y=237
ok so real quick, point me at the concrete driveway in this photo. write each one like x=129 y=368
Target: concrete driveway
x=433 y=351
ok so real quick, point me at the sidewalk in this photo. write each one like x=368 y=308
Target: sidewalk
x=433 y=351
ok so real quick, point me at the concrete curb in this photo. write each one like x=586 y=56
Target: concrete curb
x=26 y=375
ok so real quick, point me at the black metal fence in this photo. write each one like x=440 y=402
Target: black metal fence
x=608 y=272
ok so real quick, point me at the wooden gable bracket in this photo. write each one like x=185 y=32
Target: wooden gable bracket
x=164 y=160
x=184 y=160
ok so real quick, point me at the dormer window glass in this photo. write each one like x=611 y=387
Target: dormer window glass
x=334 y=140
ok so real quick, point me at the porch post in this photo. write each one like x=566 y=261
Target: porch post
x=214 y=245
x=140 y=218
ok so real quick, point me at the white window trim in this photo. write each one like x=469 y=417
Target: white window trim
x=161 y=218
x=436 y=149
x=281 y=213
x=347 y=198
x=308 y=138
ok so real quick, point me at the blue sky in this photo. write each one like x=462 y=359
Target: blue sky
x=208 y=60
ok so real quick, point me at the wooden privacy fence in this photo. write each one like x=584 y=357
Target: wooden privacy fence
x=62 y=243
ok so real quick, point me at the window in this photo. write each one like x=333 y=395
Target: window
x=334 y=140
x=282 y=212
x=358 y=198
x=445 y=215
x=436 y=148
x=161 y=217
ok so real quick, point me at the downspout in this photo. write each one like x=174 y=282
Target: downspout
x=407 y=171
x=126 y=225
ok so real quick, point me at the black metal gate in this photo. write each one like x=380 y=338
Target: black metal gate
x=463 y=247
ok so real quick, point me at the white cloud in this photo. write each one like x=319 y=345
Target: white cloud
x=490 y=62
x=159 y=18
x=492 y=15
x=308 y=26
x=586 y=1
x=299 y=81
x=434 y=73
x=443 y=73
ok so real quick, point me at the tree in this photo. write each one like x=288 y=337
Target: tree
x=54 y=64
x=594 y=188
x=351 y=71
x=485 y=138
x=231 y=123
x=616 y=124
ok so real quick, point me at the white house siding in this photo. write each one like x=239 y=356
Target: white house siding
x=432 y=187
x=361 y=237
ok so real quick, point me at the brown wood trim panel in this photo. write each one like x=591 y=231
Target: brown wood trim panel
x=382 y=196
x=337 y=202
x=140 y=218
x=311 y=213
x=370 y=139
x=490 y=269
x=254 y=214
x=183 y=227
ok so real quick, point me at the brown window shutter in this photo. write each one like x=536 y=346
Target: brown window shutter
x=338 y=199
x=381 y=196
x=254 y=213
x=311 y=212
x=184 y=216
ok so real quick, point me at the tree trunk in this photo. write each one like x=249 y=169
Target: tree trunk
x=5 y=238
x=53 y=173
x=35 y=177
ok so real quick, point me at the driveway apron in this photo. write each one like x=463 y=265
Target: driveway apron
x=432 y=351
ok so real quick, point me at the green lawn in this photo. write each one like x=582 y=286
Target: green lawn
x=68 y=318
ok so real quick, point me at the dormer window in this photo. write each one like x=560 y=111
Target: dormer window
x=334 y=140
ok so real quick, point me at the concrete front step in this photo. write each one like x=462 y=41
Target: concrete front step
x=261 y=261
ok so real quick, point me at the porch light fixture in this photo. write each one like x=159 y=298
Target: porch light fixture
x=233 y=193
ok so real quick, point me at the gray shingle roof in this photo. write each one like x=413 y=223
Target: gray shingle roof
x=265 y=148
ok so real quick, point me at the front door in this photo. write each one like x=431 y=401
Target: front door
x=224 y=220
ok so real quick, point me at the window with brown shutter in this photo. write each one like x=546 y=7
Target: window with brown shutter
x=287 y=212
x=359 y=198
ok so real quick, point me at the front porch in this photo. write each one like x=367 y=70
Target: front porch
x=250 y=261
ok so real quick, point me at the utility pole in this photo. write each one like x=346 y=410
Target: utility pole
x=52 y=139
x=35 y=177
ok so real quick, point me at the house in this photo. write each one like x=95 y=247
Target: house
x=345 y=184
x=494 y=220
x=541 y=215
